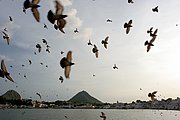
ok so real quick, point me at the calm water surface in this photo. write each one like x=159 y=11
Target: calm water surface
x=87 y=114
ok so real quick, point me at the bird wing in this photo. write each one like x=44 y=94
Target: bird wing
x=106 y=39
x=153 y=93
x=50 y=17
x=35 y=1
x=97 y=54
x=3 y=67
x=4 y=33
x=148 y=48
x=61 y=25
x=130 y=22
x=69 y=56
x=9 y=78
x=105 y=45
x=67 y=71
x=127 y=30
x=59 y=8
x=152 y=40
x=155 y=32
x=36 y=14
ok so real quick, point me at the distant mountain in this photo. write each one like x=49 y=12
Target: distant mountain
x=84 y=97
x=11 y=95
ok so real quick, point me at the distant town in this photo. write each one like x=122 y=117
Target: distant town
x=83 y=100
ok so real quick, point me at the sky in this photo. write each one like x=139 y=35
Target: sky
x=156 y=70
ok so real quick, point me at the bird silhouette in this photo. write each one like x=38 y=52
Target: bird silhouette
x=44 y=41
x=115 y=67
x=103 y=116
x=150 y=30
x=5 y=29
x=152 y=95
x=39 y=47
x=128 y=26
x=130 y=1
x=48 y=50
x=10 y=18
x=62 y=52
x=105 y=42
x=154 y=34
x=45 y=26
x=30 y=62
x=33 y=5
x=38 y=95
x=61 y=79
x=96 y=51
x=6 y=37
x=66 y=63
x=76 y=31
x=4 y=73
x=89 y=43
x=109 y=20
x=57 y=18
x=155 y=9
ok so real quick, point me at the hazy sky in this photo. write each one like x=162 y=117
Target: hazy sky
x=156 y=70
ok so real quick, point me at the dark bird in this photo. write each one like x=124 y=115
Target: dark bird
x=96 y=51
x=154 y=34
x=39 y=47
x=25 y=76
x=47 y=50
x=10 y=18
x=46 y=65
x=22 y=65
x=128 y=26
x=61 y=79
x=115 y=67
x=47 y=46
x=5 y=29
x=66 y=63
x=89 y=43
x=35 y=53
x=152 y=95
x=76 y=31
x=109 y=20
x=57 y=18
x=130 y=1
x=105 y=42
x=33 y=5
x=62 y=52
x=38 y=95
x=6 y=37
x=45 y=26
x=10 y=66
x=30 y=62
x=41 y=63
x=150 y=30
x=44 y=41
x=155 y=9
x=103 y=116
x=3 y=72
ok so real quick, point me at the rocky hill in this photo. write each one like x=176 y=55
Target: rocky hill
x=84 y=97
x=11 y=95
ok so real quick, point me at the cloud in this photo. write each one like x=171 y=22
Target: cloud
x=5 y=58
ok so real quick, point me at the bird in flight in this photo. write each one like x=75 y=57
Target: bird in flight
x=10 y=18
x=109 y=20
x=89 y=43
x=4 y=73
x=45 y=26
x=130 y=1
x=103 y=116
x=57 y=18
x=38 y=95
x=115 y=67
x=61 y=79
x=66 y=63
x=30 y=62
x=33 y=5
x=95 y=50
x=44 y=41
x=105 y=42
x=76 y=31
x=6 y=37
x=150 y=30
x=152 y=95
x=38 y=46
x=155 y=9
x=128 y=26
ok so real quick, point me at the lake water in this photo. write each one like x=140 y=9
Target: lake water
x=87 y=114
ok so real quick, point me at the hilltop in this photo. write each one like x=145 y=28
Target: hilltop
x=84 y=97
x=11 y=95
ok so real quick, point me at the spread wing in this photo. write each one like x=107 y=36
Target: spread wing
x=9 y=78
x=62 y=24
x=127 y=30
x=3 y=67
x=148 y=48
x=69 y=56
x=154 y=92
x=106 y=39
x=152 y=40
x=155 y=32
x=36 y=14
x=130 y=22
x=59 y=8
x=67 y=71
x=97 y=54
x=35 y=1
x=4 y=33
x=105 y=45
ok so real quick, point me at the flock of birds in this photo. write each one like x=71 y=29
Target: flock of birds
x=58 y=20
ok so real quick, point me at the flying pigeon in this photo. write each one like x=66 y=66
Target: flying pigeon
x=95 y=50
x=45 y=26
x=115 y=67
x=128 y=26
x=3 y=72
x=108 y=20
x=38 y=95
x=44 y=41
x=103 y=116
x=57 y=18
x=155 y=9
x=47 y=50
x=10 y=18
x=150 y=30
x=61 y=79
x=105 y=42
x=130 y=1
x=152 y=95
x=154 y=34
x=76 y=31
x=66 y=63
x=30 y=62
x=6 y=37
x=33 y=5
x=62 y=52
x=39 y=47
x=89 y=43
